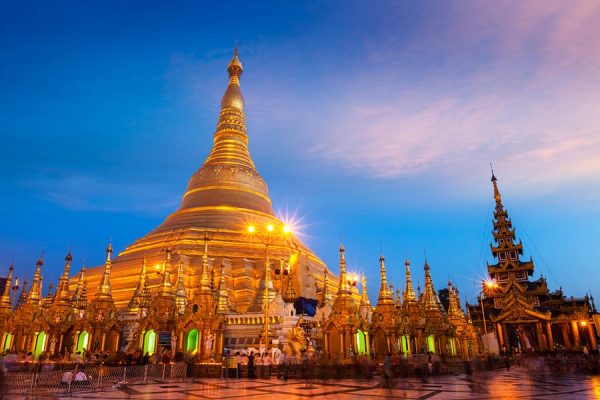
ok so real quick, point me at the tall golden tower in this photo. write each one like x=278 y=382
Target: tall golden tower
x=222 y=198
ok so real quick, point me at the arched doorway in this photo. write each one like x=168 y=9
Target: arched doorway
x=335 y=341
x=361 y=342
x=39 y=344
x=83 y=340
x=191 y=344
x=149 y=344
x=7 y=340
x=112 y=340
x=380 y=343
x=452 y=343
x=431 y=343
x=405 y=344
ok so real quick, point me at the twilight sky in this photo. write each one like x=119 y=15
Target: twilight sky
x=374 y=122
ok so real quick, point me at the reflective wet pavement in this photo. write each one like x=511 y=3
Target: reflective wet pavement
x=517 y=383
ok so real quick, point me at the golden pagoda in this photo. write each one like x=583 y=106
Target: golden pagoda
x=222 y=198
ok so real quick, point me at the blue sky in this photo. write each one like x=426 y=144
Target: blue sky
x=375 y=123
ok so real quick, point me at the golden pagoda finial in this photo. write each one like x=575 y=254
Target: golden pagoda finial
x=180 y=292
x=35 y=292
x=386 y=296
x=104 y=289
x=233 y=95
x=344 y=287
x=62 y=291
x=409 y=292
x=5 y=302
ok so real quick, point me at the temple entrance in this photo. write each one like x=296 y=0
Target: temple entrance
x=112 y=341
x=192 y=342
x=335 y=341
x=39 y=343
x=361 y=342
x=380 y=343
x=149 y=344
x=405 y=345
x=67 y=340
x=431 y=343
x=521 y=338
x=82 y=341
x=7 y=340
x=452 y=346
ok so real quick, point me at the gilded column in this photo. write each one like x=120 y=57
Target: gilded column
x=576 y=339
x=499 y=334
x=592 y=335
x=549 y=335
x=540 y=338
x=565 y=333
x=326 y=342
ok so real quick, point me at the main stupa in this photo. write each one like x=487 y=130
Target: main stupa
x=223 y=198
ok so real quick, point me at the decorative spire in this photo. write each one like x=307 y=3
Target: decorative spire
x=104 y=289
x=454 y=310
x=290 y=292
x=62 y=291
x=364 y=299
x=497 y=196
x=386 y=295
x=141 y=296
x=5 y=303
x=205 y=275
x=223 y=304
x=166 y=289
x=79 y=299
x=23 y=296
x=327 y=297
x=409 y=293
x=430 y=299
x=35 y=292
x=344 y=287
x=180 y=292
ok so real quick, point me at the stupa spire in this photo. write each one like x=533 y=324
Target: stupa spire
x=205 y=275
x=223 y=304
x=430 y=299
x=343 y=287
x=104 y=289
x=79 y=299
x=180 y=292
x=166 y=288
x=5 y=302
x=364 y=299
x=327 y=297
x=141 y=296
x=386 y=295
x=35 y=292
x=409 y=292
x=62 y=291
x=23 y=295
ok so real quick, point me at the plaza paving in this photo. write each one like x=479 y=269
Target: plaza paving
x=515 y=384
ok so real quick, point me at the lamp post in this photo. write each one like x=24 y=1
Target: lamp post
x=267 y=238
x=490 y=285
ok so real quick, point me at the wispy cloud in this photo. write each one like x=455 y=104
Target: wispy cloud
x=519 y=87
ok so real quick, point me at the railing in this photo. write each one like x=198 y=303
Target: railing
x=89 y=378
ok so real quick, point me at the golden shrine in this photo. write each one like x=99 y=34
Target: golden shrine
x=224 y=273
